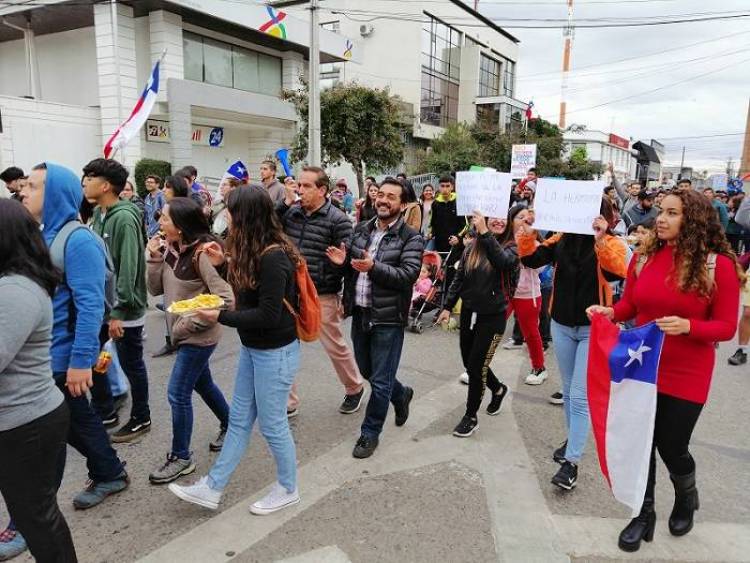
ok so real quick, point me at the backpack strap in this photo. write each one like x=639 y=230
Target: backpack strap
x=60 y=242
x=711 y=267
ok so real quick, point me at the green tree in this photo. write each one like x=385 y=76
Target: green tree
x=456 y=149
x=359 y=125
x=146 y=167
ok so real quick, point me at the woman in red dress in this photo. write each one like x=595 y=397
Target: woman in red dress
x=688 y=281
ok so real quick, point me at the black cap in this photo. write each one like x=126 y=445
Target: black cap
x=645 y=194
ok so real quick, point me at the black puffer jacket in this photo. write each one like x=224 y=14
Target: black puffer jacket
x=397 y=265
x=328 y=226
x=486 y=290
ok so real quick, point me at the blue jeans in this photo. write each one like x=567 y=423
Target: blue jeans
x=264 y=378
x=572 y=352
x=191 y=372
x=130 y=354
x=86 y=434
x=377 y=350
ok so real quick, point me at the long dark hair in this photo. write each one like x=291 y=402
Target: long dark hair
x=255 y=227
x=410 y=195
x=189 y=218
x=477 y=256
x=177 y=185
x=22 y=248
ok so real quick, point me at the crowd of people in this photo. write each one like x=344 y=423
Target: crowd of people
x=80 y=255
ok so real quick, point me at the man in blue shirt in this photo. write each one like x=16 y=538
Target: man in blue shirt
x=720 y=207
x=153 y=203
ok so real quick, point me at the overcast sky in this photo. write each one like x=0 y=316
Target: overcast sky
x=659 y=56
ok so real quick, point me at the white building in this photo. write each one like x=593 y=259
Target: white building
x=604 y=148
x=73 y=70
x=447 y=62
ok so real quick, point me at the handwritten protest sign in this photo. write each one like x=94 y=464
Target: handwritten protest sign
x=486 y=192
x=522 y=158
x=567 y=206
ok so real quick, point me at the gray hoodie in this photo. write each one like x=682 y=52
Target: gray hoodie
x=27 y=390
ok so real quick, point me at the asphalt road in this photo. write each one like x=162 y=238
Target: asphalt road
x=146 y=517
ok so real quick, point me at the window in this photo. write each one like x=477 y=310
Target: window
x=222 y=64
x=509 y=80
x=488 y=115
x=489 y=77
x=441 y=69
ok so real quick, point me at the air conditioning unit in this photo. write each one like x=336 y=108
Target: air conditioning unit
x=365 y=30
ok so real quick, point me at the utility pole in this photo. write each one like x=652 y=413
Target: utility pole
x=568 y=33
x=314 y=151
x=730 y=167
x=476 y=5
x=682 y=163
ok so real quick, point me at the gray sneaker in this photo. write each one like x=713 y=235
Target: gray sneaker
x=218 y=443
x=95 y=492
x=173 y=469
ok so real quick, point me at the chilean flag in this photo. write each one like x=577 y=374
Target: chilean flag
x=129 y=129
x=622 y=370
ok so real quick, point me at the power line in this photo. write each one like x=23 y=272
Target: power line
x=661 y=87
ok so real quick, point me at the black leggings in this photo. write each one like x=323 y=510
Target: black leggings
x=478 y=345
x=675 y=421
x=28 y=482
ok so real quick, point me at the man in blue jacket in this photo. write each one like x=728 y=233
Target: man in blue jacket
x=53 y=197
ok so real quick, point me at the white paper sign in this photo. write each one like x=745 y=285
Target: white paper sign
x=522 y=158
x=567 y=206
x=486 y=192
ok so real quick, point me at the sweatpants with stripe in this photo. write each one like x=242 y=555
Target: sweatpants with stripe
x=479 y=338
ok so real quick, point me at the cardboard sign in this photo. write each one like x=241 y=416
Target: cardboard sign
x=567 y=206
x=486 y=192
x=522 y=158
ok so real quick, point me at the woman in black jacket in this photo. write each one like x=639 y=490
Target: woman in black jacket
x=485 y=282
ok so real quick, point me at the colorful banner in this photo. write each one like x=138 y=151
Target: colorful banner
x=523 y=157
x=201 y=135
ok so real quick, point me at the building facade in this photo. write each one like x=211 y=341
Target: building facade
x=603 y=148
x=73 y=71
x=448 y=63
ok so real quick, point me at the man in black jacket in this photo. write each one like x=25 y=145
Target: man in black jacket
x=445 y=222
x=383 y=263
x=314 y=224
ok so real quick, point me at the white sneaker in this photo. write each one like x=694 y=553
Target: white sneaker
x=276 y=499
x=464 y=378
x=512 y=345
x=536 y=376
x=199 y=493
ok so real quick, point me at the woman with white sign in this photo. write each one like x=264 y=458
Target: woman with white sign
x=485 y=280
x=585 y=264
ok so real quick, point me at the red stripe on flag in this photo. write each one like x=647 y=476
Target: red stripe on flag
x=602 y=340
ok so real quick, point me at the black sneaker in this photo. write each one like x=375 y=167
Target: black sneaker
x=496 y=404
x=556 y=398
x=567 y=476
x=402 y=410
x=466 y=427
x=738 y=358
x=218 y=443
x=365 y=447
x=132 y=429
x=291 y=413
x=110 y=420
x=352 y=403
x=558 y=456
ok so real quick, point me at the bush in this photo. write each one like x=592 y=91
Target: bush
x=146 y=167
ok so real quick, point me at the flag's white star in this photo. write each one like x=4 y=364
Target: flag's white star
x=240 y=170
x=637 y=355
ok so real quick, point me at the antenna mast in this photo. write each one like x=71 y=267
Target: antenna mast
x=569 y=34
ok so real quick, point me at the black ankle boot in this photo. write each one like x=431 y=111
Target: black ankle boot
x=640 y=528
x=685 y=504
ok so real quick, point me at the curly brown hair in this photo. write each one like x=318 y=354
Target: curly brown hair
x=255 y=228
x=701 y=233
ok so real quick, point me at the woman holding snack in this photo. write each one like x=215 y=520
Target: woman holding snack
x=180 y=270
x=262 y=264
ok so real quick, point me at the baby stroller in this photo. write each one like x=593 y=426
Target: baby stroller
x=433 y=301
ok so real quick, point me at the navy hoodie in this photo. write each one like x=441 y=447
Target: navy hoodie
x=84 y=274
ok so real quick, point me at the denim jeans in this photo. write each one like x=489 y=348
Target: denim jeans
x=264 y=378
x=130 y=353
x=377 y=350
x=87 y=435
x=191 y=372
x=572 y=352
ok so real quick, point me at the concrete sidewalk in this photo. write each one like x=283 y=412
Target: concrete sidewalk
x=428 y=496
